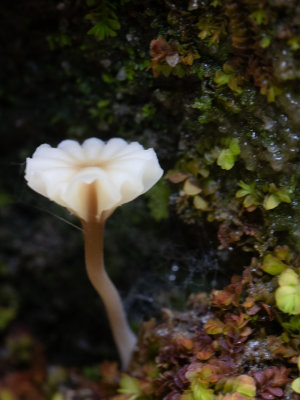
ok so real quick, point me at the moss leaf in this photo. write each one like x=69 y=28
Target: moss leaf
x=288 y=278
x=243 y=385
x=271 y=201
x=158 y=201
x=296 y=385
x=214 y=326
x=250 y=200
x=200 y=203
x=272 y=265
x=222 y=78
x=226 y=159
x=234 y=147
x=292 y=326
x=130 y=385
x=288 y=299
x=191 y=187
x=200 y=392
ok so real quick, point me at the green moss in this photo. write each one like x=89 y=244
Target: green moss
x=213 y=87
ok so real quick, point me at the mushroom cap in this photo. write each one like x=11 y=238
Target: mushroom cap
x=92 y=178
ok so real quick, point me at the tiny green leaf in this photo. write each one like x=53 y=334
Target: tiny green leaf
x=234 y=147
x=241 y=193
x=260 y=16
x=288 y=299
x=283 y=195
x=7 y=314
x=242 y=384
x=158 y=201
x=226 y=159
x=272 y=265
x=200 y=392
x=288 y=278
x=221 y=78
x=203 y=103
x=293 y=326
x=191 y=187
x=250 y=200
x=296 y=385
x=130 y=385
x=5 y=199
x=204 y=172
x=214 y=326
x=283 y=253
x=200 y=203
x=7 y=395
x=294 y=43
x=245 y=186
x=265 y=42
x=271 y=201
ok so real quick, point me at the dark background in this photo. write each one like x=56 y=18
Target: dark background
x=53 y=79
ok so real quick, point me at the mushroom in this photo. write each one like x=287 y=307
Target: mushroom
x=91 y=180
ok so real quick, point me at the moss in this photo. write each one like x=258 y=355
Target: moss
x=213 y=86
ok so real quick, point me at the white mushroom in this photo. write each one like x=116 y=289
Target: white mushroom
x=91 y=180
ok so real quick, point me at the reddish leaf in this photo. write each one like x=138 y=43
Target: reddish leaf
x=275 y=391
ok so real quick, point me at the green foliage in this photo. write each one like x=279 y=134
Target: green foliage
x=58 y=40
x=276 y=196
x=227 y=157
x=288 y=294
x=242 y=384
x=203 y=103
x=148 y=111
x=249 y=192
x=106 y=23
x=296 y=385
x=130 y=386
x=269 y=196
x=265 y=42
x=21 y=348
x=288 y=278
x=201 y=392
x=7 y=314
x=294 y=43
x=271 y=91
x=228 y=77
x=102 y=111
x=271 y=201
x=5 y=198
x=260 y=16
x=200 y=203
x=8 y=306
x=158 y=200
x=211 y=30
x=292 y=325
x=191 y=187
x=272 y=265
x=6 y=395
x=296 y=382
x=193 y=105
x=234 y=147
x=92 y=372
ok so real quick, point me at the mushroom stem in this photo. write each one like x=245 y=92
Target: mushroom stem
x=123 y=336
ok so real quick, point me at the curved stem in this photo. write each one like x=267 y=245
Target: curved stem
x=123 y=336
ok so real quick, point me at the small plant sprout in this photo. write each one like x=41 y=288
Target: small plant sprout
x=91 y=180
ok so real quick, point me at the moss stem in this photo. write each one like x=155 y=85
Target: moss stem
x=123 y=336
